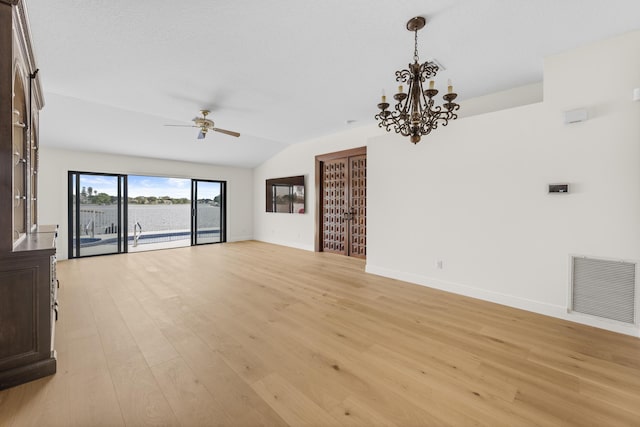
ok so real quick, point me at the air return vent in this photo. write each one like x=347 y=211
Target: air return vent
x=604 y=288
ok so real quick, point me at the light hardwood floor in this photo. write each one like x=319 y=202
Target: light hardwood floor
x=254 y=334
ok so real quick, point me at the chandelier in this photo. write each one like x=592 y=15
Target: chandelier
x=414 y=114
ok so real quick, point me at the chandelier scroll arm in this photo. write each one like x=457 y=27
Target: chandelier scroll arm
x=428 y=70
x=403 y=76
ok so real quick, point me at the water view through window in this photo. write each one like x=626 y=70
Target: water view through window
x=153 y=212
x=159 y=212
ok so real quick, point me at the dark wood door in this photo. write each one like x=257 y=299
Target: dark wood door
x=342 y=181
x=357 y=216
x=334 y=196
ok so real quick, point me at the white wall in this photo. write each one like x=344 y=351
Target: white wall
x=516 y=97
x=55 y=163
x=474 y=194
x=297 y=230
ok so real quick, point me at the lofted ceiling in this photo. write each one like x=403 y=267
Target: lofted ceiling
x=279 y=72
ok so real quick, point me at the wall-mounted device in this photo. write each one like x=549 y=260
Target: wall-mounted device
x=575 y=116
x=558 y=188
x=636 y=94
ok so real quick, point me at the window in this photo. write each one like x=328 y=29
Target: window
x=285 y=194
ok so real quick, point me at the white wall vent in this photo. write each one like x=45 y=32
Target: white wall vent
x=604 y=288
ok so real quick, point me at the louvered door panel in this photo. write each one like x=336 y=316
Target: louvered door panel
x=334 y=179
x=358 y=206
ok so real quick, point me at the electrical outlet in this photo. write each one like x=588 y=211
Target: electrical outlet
x=439 y=264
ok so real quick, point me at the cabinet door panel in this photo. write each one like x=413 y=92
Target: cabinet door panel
x=18 y=301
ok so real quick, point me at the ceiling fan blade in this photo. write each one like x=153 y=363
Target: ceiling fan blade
x=228 y=132
x=183 y=126
x=201 y=135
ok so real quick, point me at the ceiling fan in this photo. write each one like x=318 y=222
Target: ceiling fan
x=205 y=125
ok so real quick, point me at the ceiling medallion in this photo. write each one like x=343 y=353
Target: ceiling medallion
x=414 y=114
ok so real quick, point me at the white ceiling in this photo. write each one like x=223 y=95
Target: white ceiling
x=278 y=71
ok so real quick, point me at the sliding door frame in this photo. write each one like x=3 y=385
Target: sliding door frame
x=74 y=228
x=194 y=210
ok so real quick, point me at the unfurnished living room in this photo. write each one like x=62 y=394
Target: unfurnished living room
x=330 y=213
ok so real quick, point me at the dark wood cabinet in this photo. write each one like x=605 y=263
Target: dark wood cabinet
x=28 y=288
x=28 y=285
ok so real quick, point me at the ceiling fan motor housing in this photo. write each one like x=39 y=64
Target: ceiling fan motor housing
x=203 y=123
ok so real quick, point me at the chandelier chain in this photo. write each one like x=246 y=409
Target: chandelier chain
x=415 y=49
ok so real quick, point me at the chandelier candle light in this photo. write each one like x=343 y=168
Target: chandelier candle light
x=414 y=114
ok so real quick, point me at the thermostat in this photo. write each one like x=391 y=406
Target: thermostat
x=558 y=188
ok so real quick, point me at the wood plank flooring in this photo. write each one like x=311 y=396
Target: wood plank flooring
x=252 y=334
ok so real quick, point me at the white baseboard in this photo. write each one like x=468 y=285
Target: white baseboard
x=505 y=299
x=295 y=245
x=239 y=238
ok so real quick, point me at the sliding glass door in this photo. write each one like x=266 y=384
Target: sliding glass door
x=159 y=211
x=110 y=213
x=208 y=212
x=97 y=214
